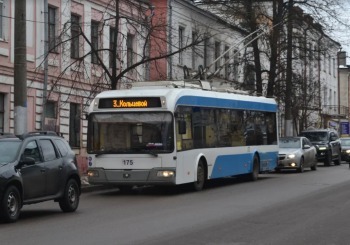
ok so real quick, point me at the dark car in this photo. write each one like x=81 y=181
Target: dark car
x=345 y=149
x=36 y=167
x=327 y=144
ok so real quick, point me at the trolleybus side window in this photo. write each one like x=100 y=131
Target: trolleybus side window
x=209 y=127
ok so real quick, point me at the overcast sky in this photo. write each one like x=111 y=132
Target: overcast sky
x=341 y=33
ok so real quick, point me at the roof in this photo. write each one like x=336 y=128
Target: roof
x=183 y=93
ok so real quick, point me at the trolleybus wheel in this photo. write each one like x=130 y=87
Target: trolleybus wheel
x=199 y=183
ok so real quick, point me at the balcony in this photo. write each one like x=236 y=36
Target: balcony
x=335 y=111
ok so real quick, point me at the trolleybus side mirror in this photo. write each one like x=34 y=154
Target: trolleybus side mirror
x=182 y=127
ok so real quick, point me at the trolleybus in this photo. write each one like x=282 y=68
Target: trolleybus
x=172 y=133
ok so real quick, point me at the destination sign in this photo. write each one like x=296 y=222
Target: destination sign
x=120 y=103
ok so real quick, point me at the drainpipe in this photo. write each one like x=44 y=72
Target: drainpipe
x=46 y=49
x=170 y=33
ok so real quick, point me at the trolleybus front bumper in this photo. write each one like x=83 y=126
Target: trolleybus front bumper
x=155 y=176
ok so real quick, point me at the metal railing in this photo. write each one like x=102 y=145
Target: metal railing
x=336 y=110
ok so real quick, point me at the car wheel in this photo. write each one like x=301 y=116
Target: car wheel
x=301 y=165
x=70 y=200
x=337 y=161
x=199 y=183
x=10 y=205
x=314 y=167
x=328 y=159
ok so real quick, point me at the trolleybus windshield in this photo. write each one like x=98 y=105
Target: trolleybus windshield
x=141 y=132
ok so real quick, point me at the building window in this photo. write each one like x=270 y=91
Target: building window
x=227 y=61
x=2 y=112
x=1 y=19
x=130 y=50
x=217 y=55
x=74 y=125
x=75 y=32
x=205 y=53
x=181 y=43
x=52 y=29
x=112 y=32
x=194 y=55
x=50 y=109
x=334 y=66
x=94 y=42
x=235 y=64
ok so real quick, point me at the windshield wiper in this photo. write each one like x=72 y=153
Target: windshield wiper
x=112 y=151
x=152 y=153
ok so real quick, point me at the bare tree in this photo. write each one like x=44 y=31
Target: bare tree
x=280 y=42
x=93 y=66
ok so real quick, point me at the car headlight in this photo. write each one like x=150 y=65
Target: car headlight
x=291 y=156
x=348 y=151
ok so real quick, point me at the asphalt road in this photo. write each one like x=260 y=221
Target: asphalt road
x=280 y=208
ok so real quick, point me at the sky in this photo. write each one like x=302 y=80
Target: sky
x=333 y=29
x=341 y=33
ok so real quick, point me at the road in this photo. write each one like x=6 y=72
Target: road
x=280 y=208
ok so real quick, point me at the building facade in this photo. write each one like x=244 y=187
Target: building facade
x=76 y=49
x=211 y=43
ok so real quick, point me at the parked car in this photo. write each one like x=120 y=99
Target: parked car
x=327 y=144
x=36 y=167
x=296 y=153
x=345 y=149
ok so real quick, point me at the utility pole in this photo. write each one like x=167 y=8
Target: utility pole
x=46 y=52
x=288 y=125
x=20 y=76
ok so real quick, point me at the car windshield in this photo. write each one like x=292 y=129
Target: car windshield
x=289 y=143
x=316 y=136
x=142 y=132
x=8 y=151
x=345 y=142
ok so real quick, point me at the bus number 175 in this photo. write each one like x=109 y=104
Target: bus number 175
x=128 y=162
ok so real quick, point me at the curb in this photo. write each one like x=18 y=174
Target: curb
x=86 y=187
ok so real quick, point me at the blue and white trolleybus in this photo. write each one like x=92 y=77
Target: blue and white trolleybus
x=170 y=133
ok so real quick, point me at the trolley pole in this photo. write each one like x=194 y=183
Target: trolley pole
x=20 y=76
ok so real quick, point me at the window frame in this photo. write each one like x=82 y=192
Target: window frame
x=75 y=33
x=52 y=113
x=181 y=32
x=1 y=19
x=217 y=54
x=52 y=29
x=94 y=41
x=130 y=49
x=112 y=31
x=2 y=112
x=47 y=155
x=74 y=125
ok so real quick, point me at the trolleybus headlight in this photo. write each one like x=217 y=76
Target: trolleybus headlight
x=92 y=173
x=165 y=173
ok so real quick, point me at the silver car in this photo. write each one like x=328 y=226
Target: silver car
x=296 y=153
